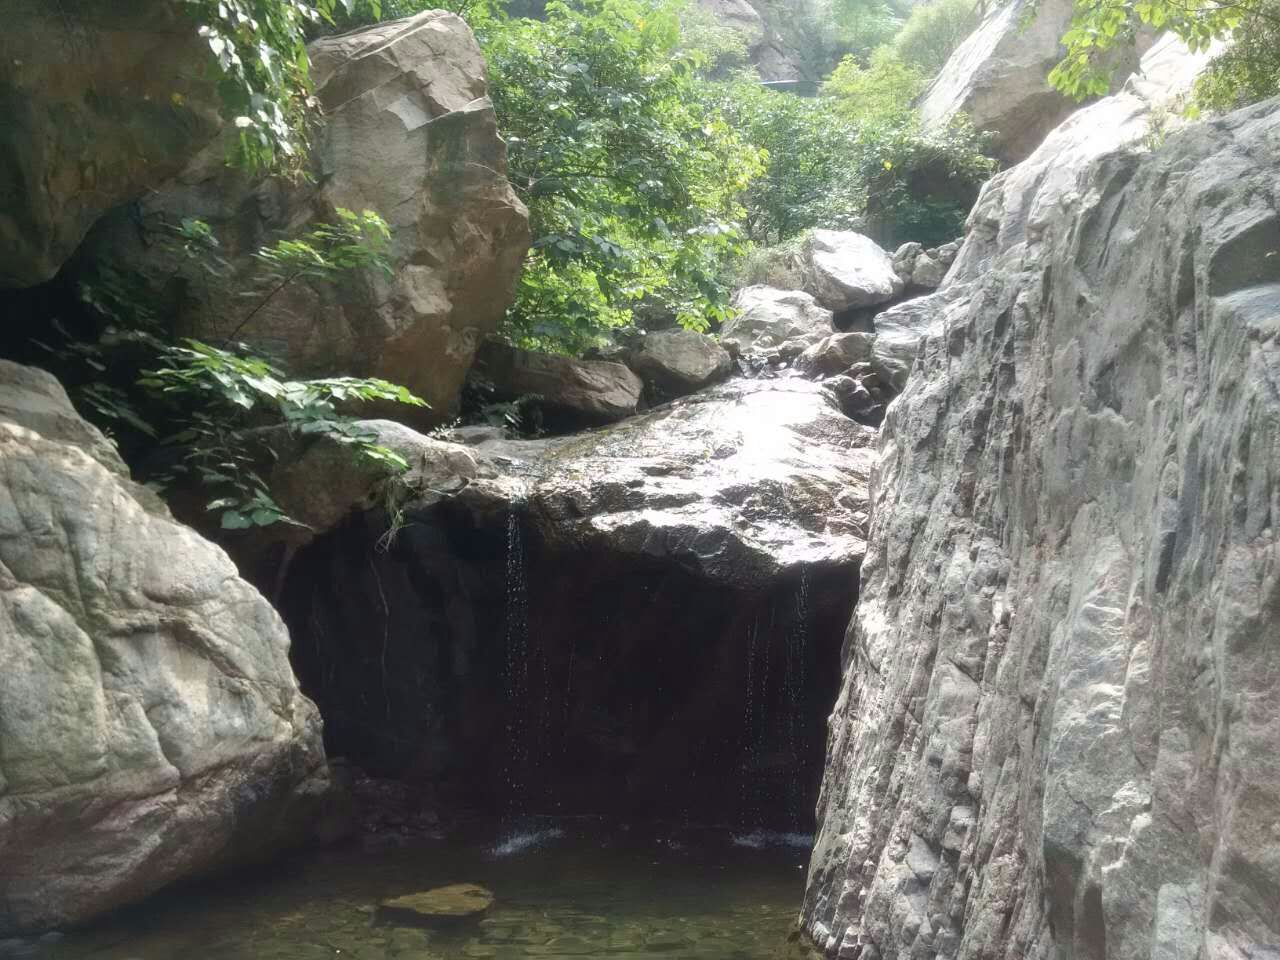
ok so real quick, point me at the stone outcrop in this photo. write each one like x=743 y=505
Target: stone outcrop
x=924 y=269
x=742 y=483
x=583 y=391
x=777 y=322
x=409 y=133
x=586 y=620
x=1057 y=732
x=998 y=76
x=767 y=51
x=100 y=101
x=844 y=270
x=673 y=363
x=150 y=724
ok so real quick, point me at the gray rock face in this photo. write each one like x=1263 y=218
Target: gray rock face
x=846 y=269
x=677 y=362
x=744 y=483
x=785 y=322
x=922 y=269
x=836 y=353
x=597 y=391
x=766 y=50
x=409 y=133
x=1058 y=726
x=998 y=77
x=68 y=74
x=150 y=725
x=741 y=483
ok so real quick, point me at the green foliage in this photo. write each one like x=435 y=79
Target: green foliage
x=631 y=179
x=865 y=25
x=258 y=50
x=217 y=395
x=1249 y=69
x=808 y=179
x=922 y=185
x=205 y=404
x=878 y=95
x=932 y=32
x=1101 y=26
x=856 y=158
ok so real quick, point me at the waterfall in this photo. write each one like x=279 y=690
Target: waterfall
x=516 y=674
x=793 y=690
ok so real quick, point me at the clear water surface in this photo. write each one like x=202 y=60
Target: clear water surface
x=563 y=889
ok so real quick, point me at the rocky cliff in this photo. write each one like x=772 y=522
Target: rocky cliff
x=1057 y=733
x=150 y=724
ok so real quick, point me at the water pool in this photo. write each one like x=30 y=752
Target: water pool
x=563 y=889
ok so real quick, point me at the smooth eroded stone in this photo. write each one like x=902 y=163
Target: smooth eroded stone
x=455 y=904
x=846 y=270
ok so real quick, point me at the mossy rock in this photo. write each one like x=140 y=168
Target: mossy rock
x=456 y=904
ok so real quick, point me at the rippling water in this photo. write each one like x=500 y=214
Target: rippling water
x=576 y=890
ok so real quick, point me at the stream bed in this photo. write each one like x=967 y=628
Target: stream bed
x=581 y=888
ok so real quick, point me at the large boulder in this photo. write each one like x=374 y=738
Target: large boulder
x=585 y=391
x=845 y=270
x=100 y=102
x=1058 y=726
x=743 y=483
x=675 y=362
x=998 y=77
x=150 y=725
x=410 y=134
x=773 y=321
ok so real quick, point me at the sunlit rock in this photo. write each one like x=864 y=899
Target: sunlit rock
x=772 y=321
x=846 y=269
x=150 y=725
x=1057 y=728
x=408 y=133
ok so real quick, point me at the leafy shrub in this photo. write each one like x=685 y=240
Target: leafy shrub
x=204 y=404
x=258 y=50
x=808 y=179
x=631 y=179
x=933 y=31
x=1238 y=76
x=878 y=95
x=1249 y=69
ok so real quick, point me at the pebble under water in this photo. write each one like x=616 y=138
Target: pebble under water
x=563 y=889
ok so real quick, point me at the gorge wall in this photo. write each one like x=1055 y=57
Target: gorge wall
x=1057 y=731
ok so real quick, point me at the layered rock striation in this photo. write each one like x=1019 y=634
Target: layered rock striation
x=1059 y=720
x=150 y=724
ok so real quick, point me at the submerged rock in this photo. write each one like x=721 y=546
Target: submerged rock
x=150 y=725
x=458 y=903
x=1058 y=728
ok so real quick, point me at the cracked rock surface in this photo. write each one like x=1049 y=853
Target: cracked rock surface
x=1060 y=720
x=150 y=725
